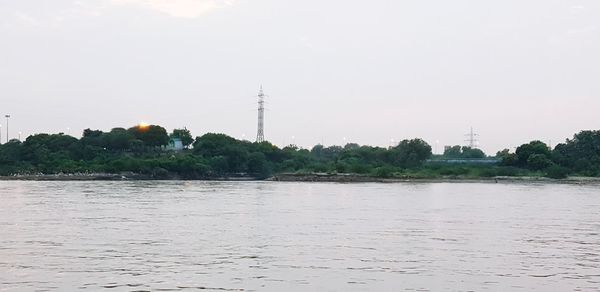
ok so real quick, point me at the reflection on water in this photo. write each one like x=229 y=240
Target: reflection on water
x=261 y=236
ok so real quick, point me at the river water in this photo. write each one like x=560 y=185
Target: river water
x=268 y=236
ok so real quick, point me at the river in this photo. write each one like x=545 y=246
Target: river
x=270 y=236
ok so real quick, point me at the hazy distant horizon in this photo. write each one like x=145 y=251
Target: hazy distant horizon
x=334 y=71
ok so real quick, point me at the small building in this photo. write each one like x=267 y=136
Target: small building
x=175 y=144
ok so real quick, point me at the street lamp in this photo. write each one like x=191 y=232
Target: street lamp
x=7 y=117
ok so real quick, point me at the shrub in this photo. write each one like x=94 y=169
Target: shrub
x=557 y=172
x=383 y=172
x=508 y=171
x=488 y=172
x=159 y=172
x=538 y=162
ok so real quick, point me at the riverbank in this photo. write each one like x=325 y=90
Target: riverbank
x=352 y=178
x=294 y=177
x=112 y=177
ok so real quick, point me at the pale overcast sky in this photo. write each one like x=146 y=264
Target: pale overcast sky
x=367 y=71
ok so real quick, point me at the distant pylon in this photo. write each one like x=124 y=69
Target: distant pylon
x=260 y=136
x=472 y=139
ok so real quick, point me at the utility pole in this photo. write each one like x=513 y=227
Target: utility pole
x=260 y=136
x=472 y=138
x=7 y=117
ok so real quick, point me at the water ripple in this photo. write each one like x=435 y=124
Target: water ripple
x=260 y=236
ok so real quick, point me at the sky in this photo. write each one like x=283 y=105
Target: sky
x=335 y=71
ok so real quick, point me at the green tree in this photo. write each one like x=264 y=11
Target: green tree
x=464 y=152
x=453 y=152
x=258 y=165
x=507 y=158
x=557 y=172
x=233 y=151
x=118 y=139
x=472 y=153
x=151 y=135
x=93 y=138
x=185 y=135
x=212 y=144
x=351 y=146
x=10 y=152
x=410 y=153
x=538 y=162
x=534 y=147
x=326 y=153
x=580 y=154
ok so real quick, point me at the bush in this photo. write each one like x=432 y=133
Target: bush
x=557 y=172
x=159 y=172
x=258 y=165
x=341 y=167
x=488 y=172
x=508 y=171
x=383 y=172
x=454 y=171
x=538 y=162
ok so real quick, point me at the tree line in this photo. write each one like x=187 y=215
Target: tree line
x=579 y=155
x=142 y=150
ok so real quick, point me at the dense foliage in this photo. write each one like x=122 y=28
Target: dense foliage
x=184 y=135
x=142 y=150
x=580 y=155
x=463 y=152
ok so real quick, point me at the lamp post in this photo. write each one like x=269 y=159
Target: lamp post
x=7 y=117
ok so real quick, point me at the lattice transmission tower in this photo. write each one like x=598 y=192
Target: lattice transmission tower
x=472 y=138
x=260 y=136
